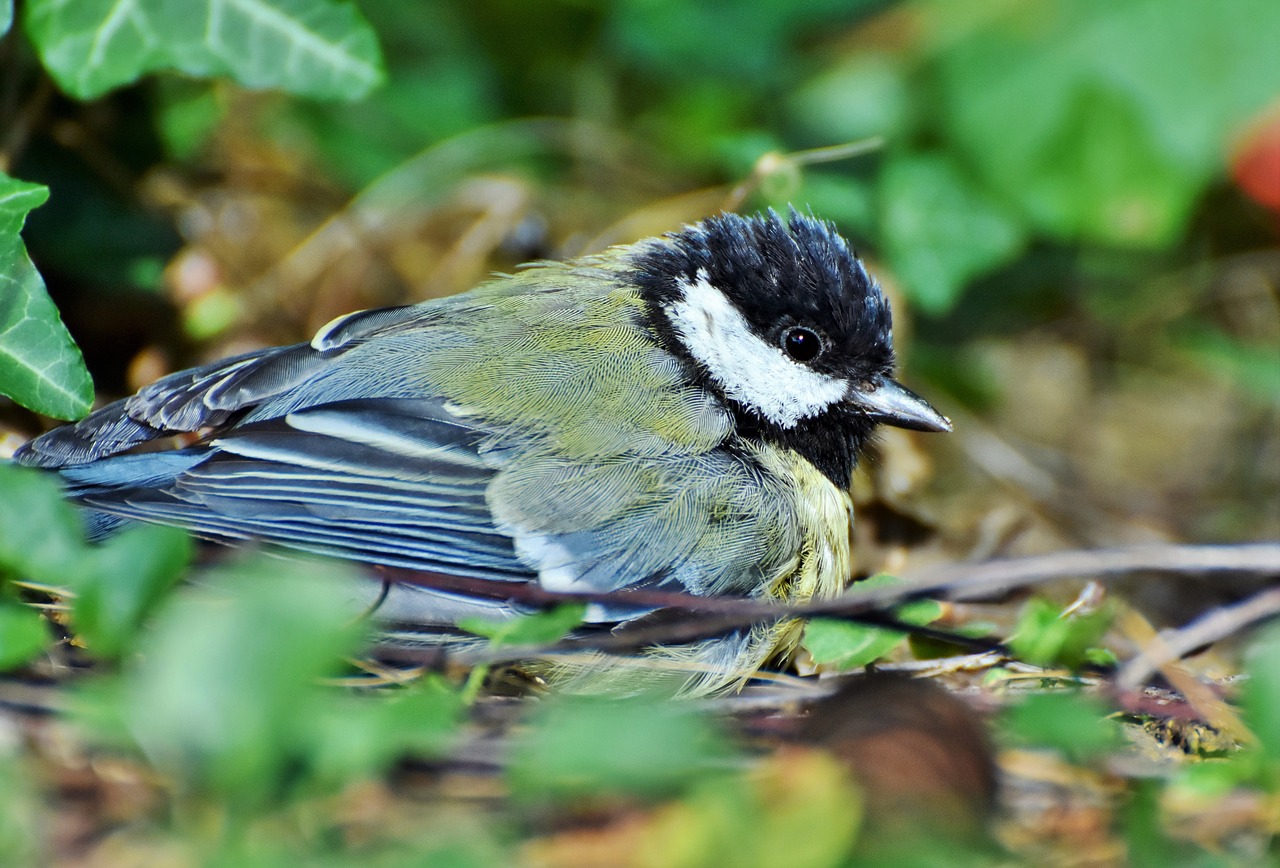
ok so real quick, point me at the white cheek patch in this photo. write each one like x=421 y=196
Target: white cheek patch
x=749 y=370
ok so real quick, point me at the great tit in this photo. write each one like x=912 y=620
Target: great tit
x=681 y=413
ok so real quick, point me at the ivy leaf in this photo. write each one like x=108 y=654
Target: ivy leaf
x=357 y=738
x=223 y=689
x=316 y=48
x=40 y=366
x=848 y=645
x=1262 y=693
x=121 y=581
x=1073 y=723
x=40 y=534
x=1046 y=638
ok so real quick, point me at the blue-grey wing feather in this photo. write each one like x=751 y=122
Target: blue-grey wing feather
x=386 y=481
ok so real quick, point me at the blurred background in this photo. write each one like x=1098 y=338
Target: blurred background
x=1075 y=206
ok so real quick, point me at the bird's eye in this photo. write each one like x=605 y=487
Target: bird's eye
x=802 y=344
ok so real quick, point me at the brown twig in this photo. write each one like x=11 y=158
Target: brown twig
x=957 y=582
x=1212 y=626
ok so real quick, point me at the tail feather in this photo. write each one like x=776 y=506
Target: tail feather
x=152 y=470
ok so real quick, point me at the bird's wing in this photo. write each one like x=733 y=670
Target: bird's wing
x=388 y=481
x=210 y=397
x=550 y=438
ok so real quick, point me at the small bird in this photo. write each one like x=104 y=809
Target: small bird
x=682 y=413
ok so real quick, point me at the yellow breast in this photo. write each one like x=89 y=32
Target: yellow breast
x=821 y=566
x=824 y=515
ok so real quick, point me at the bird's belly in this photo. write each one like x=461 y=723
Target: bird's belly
x=821 y=569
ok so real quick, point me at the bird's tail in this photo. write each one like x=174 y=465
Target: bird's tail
x=97 y=485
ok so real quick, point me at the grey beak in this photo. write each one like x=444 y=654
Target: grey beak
x=890 y=403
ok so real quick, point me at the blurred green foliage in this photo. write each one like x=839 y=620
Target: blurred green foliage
x=1073 y=723
x=1262 y=703
x=224 y=691
x=113 y=586
x=536 y=628
x=1047 y=636
x=799 y=809
x=584 y=747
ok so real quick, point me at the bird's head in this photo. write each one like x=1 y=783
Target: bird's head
x=782 y=322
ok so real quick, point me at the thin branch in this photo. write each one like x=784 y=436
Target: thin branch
x=1216 y=624
x=720 y=614
x=970 y=581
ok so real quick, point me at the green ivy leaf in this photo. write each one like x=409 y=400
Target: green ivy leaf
x=17 y=199
x=23 y=635
x=355 y=737
x=40 y=534
x=848 y=645
x=40 y=366
x=317 y=48
x=224 y=691
x=120 y=582
x=940 y=230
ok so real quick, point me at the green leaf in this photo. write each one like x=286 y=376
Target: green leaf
x=317 y=48
x=940 y=230
x=187 y=113
x=441 y=82
x=801 y=809
x=536 y=628
x=686 y=40
x=1072 y=723
x=848 y=645
x=40 y=365
x=355 y=737
x=223 y=692
x=23 y=635
x=119 y=583
x=1118 y=115
x=17 y=199
x=579 y=746
x=40 y=534
x=1046 y=638
x=1262 y=694
x=1213 y=780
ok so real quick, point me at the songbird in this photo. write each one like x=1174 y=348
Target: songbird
x=680 y=413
